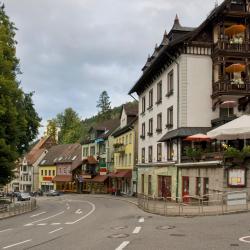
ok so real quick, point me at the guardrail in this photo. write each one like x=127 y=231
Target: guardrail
x=212 y=204
x=8 y=210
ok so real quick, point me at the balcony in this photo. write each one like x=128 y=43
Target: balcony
x=119 y=148
x=214 y=156
x=233 y=87
x=239 y=46
x=222 y=120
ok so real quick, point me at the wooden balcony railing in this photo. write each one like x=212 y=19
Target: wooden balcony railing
x=231 y=46
x=231 y=88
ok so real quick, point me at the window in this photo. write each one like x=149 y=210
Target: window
x=159 y=92
x=150 y=99
x=170 y=117
x=130 y=159
x=143 y=103
x=170 y=83
x=159 y=123
x=45 y=172
x=64 y=170
x=24 y=168
x=150 y=127
x=42 y=172
x=150 y=153
x=198 y=186
x=92 y=150
x=126 y=141
x=170 y=150
x=226 y=112
x=130 y=138
x=150 y=185
x=143 y=155
x=49 y=172
x=29 y=177
x=126 y=160
x=143 y=130
x=159 y=152
x=53 y=172
x=142 y=183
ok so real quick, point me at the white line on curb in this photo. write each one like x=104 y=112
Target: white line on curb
x=5 y=230
x=16 y=244
x=137 y=230
x=58 y=229
x=37 y=214
x=141 y=220
x=124 y=244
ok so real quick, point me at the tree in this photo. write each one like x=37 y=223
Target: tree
x=69 y=125
x=104 y=105
x=52 y=129
x=19 y=121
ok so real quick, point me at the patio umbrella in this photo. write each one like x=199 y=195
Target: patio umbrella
x=236 y=129
x=197 y=138
x=236 y=67
x=235 y=29
x=228 y=105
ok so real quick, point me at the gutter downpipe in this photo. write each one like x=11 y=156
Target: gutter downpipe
x=178 y=121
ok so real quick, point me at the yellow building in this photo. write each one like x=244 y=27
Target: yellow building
x=125 y=151
x=46 y=176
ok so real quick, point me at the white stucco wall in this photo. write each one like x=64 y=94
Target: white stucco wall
x=123 y=120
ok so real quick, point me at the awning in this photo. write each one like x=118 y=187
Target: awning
x=235 y=29
x=198 y=138
x=98 y=178
x=183 y=132
x=122 y=174
x=62 y=178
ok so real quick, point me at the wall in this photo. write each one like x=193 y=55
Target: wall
x=41 y=177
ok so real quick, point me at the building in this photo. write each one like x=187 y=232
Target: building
x=124 y=175
x=29 y=172
x=182 y=91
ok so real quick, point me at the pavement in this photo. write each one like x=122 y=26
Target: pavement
x=92 y=222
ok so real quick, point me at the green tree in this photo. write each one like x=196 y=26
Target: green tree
x=19 y=121
x=52 y=129
x=103 y=104
x=69 y=125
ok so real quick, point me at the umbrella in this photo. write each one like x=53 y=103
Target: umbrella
x=197 y=137
x=237 y=67
x=228 y=104
x=235 y=29
x=236 y=129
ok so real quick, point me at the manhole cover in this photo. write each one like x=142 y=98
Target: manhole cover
x=234 y=245
x=178 y=235
x=115 y=236
x=165 y=227
x=119 y=228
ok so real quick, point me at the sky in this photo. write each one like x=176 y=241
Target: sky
x=72 y=50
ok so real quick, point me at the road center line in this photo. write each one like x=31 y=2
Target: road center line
x=137 y=230
x=42 y=224
x=52 y=216
x=37 y=214
x=5 y=230
x=55 y=223
x=141 y=220
x=124 y=244
x=86 y=215
x=58 y=229
x=16 y=244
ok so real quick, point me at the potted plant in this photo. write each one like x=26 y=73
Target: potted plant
x=232 y=154
x=193 y=153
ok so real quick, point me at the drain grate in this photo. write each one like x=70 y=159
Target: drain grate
x=118 y=236
x=165 y=227
x=178 y=235
x=234 y=245
x=119 y=228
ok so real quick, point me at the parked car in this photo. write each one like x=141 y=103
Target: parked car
x=53 y=193
x=23 y=197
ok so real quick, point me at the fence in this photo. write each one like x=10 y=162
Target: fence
x=8 y=210
x=215 y=204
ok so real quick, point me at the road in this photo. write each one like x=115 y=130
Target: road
x=89 y=223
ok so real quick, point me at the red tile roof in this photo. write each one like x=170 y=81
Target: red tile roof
x=122 y=174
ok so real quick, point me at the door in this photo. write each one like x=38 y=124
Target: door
x=185 y=188
x=164 y=186
x=205 y=188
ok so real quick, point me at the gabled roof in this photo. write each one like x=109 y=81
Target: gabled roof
x=168 y=51
x=131 y=109
x=126 y=128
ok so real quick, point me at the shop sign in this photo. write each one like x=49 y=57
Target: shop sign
x=47 y=178
x=237 y=177
x=103 y=171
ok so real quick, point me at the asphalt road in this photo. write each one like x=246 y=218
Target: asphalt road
x=85 y=222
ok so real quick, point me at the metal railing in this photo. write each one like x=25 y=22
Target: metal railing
x=8 y=210
x=212 y=204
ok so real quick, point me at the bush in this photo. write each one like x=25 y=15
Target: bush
x=193 y=153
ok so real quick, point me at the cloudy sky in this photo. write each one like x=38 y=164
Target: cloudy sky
x=72 y=50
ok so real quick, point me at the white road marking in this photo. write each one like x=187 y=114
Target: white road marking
x=243 y=239
x=137 y=230
x=16 y=244
x=52 y=216
x=37 y=214
x=124 y=244
x=141 y=220
x=42 y=224
x=27 y=225
x=5 y=230
x=58 y=229
x=55 y=223
x=67 y=206
x=86 y=215
x=78 y=211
